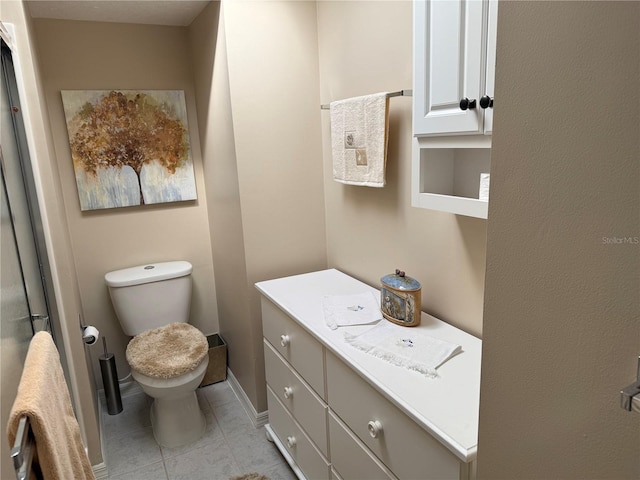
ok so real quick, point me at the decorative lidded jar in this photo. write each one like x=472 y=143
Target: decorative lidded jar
x=400 y=298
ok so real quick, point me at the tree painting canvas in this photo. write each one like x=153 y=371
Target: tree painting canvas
x=129 y=147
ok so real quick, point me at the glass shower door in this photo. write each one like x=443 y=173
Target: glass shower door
x=20 y=195
x=15 y=322
x=24 y=273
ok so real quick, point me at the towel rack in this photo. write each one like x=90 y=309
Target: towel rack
x=23 y=449
x=399 y=93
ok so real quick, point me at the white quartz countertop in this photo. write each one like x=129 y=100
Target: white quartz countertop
x=447 y=406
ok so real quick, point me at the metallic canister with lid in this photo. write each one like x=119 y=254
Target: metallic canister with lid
x=400 y=298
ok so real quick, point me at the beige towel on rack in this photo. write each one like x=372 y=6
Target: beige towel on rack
x=359 y=133
x=43 y=396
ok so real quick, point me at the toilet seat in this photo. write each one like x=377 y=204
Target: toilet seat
x=168 y=383
x=167 y=352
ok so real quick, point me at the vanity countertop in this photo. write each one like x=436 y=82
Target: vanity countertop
x=446 y=407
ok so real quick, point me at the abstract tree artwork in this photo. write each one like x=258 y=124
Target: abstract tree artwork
x=129 y=147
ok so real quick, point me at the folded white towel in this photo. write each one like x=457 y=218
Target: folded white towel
x=405 y=347
x=359 y=132
x=346 y=310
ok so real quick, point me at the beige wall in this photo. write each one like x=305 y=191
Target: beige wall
x=263 y=165
x=94 y=56
x=266 y=136
x=561 y=317
x=237 y=327
x=366 y=47
x=273 y=74
x=55 y=227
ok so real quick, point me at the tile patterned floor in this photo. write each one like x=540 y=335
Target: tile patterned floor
x=231 y=445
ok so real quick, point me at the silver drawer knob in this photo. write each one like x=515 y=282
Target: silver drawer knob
x=375 y=428
x=291 y=441
x=285 y=340
x=288 y=392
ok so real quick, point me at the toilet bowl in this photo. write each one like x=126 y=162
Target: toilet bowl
x=175 y=414
x=171 y=379
x=168 y=357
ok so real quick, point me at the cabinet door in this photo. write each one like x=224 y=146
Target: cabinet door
x=449 y=65
x=492 y=30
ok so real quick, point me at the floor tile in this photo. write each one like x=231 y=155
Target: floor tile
x=131 y=451
x=279 y=471
x=232 y=418
x=134 y=416
x=211 y=462
x=231 y=445
x=219 y=394
x=252 y=451
x=148 y=472
x=212 y=434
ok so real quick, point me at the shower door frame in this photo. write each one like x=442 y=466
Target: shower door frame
x=39 y=287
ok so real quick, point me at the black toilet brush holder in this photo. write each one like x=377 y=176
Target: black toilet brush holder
x=110 y=380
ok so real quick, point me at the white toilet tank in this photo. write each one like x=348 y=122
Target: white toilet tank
x=151 y=296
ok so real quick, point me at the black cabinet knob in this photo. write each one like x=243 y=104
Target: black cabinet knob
x=486 y=102
x=465 y=104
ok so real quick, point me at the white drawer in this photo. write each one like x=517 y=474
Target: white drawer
x=308 y=458
x=297 y=346
x=350 y=458
x=304 y=405
x=401 y=444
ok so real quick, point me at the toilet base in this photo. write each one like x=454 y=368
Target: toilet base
x=177 y=421
x=176 y=417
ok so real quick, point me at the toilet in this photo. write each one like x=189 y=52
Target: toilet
x=168 y=357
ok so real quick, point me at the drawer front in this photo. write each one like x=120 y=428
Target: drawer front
x=304 y=405
x=403 y=446
x=297 y=346
x=307 y=457
x=350 y=458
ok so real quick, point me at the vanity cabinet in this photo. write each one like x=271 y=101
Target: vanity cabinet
x=454 y=70
x=336 y=412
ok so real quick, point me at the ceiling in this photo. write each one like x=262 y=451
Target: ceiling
x=154 y=12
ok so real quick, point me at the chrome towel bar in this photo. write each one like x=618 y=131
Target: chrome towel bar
x=399 y=93
x=23 y=450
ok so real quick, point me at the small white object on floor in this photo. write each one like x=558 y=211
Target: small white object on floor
x=405 y=347
x=348 y=310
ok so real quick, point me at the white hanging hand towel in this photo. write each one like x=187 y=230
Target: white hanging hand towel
x=346 y=310
x=359 y=133
x=405 y=347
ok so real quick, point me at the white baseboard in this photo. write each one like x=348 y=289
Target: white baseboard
x=258 y=419
x=100 y=471
x=129 y=388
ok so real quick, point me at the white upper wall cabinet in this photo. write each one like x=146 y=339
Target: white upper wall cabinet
x=454 y=69
x=454 y=62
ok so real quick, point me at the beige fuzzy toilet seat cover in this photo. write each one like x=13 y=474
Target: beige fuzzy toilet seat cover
x=168 y=351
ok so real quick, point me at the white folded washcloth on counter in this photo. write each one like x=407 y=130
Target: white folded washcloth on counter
x=348 y=310
x=405 y=347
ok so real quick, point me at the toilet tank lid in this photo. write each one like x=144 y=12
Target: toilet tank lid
x=152 y=272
